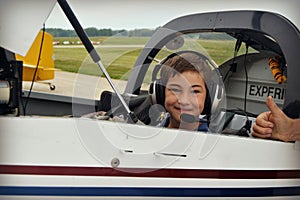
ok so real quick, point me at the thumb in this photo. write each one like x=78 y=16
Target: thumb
x=272 y=106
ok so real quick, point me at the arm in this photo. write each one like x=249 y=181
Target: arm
x=276 y=125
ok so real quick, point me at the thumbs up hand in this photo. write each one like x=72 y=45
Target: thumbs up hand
x=273 y=124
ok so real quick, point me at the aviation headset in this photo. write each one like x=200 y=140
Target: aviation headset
x=214 y=87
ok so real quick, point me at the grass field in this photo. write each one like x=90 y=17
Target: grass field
x=119 y=61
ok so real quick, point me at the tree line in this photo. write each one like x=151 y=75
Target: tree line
x=94 y=32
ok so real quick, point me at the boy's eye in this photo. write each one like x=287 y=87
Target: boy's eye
x=175 y=90
x=196 y=91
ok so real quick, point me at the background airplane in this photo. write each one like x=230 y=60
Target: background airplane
x=38 y=63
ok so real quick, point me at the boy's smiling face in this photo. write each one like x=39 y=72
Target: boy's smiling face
x=185 y=93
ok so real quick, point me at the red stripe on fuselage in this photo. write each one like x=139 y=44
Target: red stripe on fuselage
x=144 y=172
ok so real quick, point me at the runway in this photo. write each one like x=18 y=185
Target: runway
x=102 y=46
x=76 y=85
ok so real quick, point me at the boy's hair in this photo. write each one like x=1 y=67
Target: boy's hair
x=185 y=62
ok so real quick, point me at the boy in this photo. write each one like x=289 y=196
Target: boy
x=184 y=77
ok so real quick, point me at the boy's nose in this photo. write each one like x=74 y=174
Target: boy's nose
x=185 y=98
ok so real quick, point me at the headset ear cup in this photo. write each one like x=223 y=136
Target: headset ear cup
x=157 y=92
x=152 y=92
x=207 y=103
x=160 y=93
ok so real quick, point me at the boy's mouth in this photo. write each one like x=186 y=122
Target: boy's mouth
x=184 y=110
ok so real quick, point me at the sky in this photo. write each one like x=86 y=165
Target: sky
x=131 y=14
x=120 y=14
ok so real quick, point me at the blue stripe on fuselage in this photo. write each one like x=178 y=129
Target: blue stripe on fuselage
x=146 y=191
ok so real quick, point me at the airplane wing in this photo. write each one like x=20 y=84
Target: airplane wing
x=19 y=28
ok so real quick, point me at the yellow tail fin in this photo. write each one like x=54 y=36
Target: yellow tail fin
x=46 y=63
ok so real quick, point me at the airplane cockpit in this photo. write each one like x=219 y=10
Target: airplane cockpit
x=257 y=69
